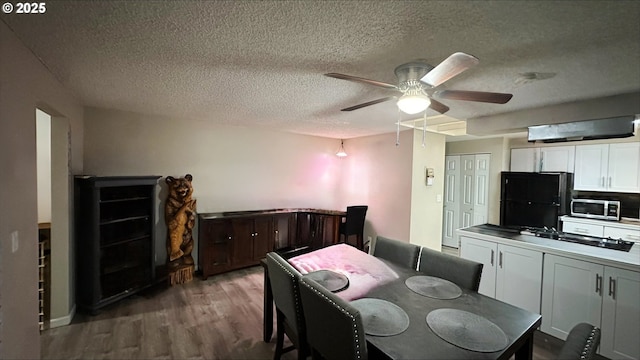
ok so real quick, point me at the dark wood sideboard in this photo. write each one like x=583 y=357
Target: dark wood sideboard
x=233 y=240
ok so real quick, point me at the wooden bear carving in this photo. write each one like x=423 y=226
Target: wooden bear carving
x=180 y=216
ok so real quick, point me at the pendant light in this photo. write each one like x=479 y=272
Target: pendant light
x=341 y=153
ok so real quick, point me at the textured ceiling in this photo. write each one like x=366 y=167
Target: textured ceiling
x=261 y=63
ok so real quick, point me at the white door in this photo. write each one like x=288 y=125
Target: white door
x=571 y=294
x=525 y=160
x=557 y=158
x=624 y=167
x=481 y=183
x=591 y=167
x=467 y=195
x=621 y=314
x=519 y=277
x=451 y=207
x=483 y=252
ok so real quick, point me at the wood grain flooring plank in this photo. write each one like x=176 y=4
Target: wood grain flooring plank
x=219 y=318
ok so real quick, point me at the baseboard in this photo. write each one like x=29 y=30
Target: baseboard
x=63 y=321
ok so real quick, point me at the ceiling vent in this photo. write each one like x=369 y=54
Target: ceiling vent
x=618 y=127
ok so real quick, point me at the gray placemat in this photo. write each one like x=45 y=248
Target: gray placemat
x=381 y=317
x=433 y=287
x=467 y=330
x=330 y=280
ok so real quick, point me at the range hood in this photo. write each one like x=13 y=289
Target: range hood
x=618 y=127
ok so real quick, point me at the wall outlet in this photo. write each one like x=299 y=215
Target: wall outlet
x=15 y=241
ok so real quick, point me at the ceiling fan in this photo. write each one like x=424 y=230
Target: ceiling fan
x=417 y=81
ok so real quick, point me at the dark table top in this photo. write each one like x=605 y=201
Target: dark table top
x=235 y=214
x=420 y=342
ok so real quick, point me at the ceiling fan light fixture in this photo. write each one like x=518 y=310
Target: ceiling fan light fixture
x=413 y=103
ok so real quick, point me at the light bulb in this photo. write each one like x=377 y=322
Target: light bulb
x=413 y=103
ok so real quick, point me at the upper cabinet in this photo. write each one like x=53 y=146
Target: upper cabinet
x=608 y=167
x=543 y=159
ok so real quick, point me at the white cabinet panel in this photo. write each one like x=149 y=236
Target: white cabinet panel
x=582 y=228
x=624 y=167
x=483 y=252
x=519 y=277
x=571 y=293
x=509 y=274
x=621 y=314
x=557 y=158
x=620 y=233
x=608 y=167
x=525 y=160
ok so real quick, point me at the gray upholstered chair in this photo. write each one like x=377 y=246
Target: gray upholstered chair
x=582 y=343
x=462 y=272
x=334 y=327
x=285 y=286
x=398 y=252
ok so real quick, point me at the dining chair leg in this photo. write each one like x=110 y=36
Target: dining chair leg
x=279 y=335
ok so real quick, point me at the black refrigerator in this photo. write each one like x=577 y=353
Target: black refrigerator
x=534 y=200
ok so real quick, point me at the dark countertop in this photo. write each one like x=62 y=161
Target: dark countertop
x=626 y=260
x=235 y=214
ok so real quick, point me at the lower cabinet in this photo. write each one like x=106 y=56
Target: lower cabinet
x=510 y=274
x=234 y=242
x=577 y=291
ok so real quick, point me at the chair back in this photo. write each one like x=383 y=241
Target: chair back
x=285 y=287
x=582 y=342
x=334 y=327
x=398 y=252
x=464 y=273
x=354 y=224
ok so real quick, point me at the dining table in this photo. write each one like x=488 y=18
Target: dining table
x=435 y=327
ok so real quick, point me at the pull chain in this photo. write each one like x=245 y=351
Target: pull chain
x=398 y=129
x=424 y=129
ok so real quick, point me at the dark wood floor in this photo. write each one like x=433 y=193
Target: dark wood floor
x=220 y=318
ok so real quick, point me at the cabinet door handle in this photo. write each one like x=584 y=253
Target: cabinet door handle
x=492 y=253
x=582 y=230
x=598 y=284
x=602 y=182
x=500 y=259
x=609 y=181
x=612 y=287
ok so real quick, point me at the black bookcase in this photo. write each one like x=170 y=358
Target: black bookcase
x=115 y=238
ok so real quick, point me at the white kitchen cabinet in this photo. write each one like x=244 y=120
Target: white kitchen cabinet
x=510 y=274
x=601 y=228
x=571 y=293
x=557 y=158
x=543 y=159
x=581 y=228
x=575 y=291
x=525 y=160
x=621 y=314
x=615 y=232
x=608 y=167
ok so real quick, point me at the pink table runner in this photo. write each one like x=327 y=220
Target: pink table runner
x=363 y=270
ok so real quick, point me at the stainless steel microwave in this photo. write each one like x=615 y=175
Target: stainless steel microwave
x=596 y=209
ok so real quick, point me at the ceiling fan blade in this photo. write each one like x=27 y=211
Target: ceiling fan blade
x=480 y=96
x=450 y=67
x=361 y=80
x=373 y=102
x=438 y=106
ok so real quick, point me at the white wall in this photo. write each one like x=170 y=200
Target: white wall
x=378 y=173
x=43 y=147
x=26 y=84
x=233 y=168
x=426 y=201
